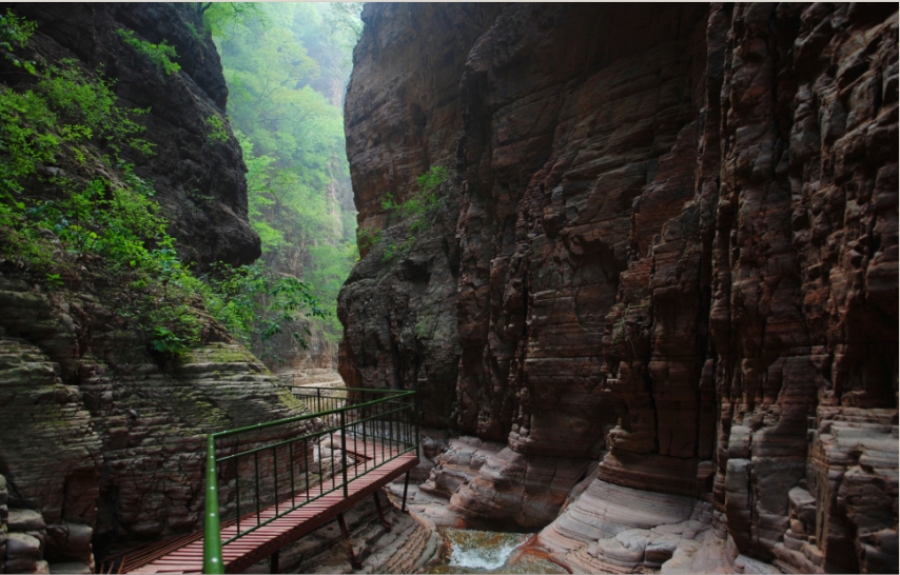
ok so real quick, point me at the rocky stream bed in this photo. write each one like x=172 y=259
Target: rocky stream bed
x=650 y=311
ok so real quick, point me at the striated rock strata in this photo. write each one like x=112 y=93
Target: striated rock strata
x=94 y=433
x=668 y=242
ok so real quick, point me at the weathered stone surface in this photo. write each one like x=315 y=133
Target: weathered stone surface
x=25 y=520
x=22 y=546
x=459 y=464
x=400 y=323
x=69 y=542
x=513 y=488
x=604 y=510
x=683 y=546
x=48 y=448
x=853 y=477
x=484 y=484
x=71 y=568
x=122 y=448
x=675 y=250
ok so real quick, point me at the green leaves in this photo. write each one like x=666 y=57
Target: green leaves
x=54 y=280
x=255 y=303
x=26 y=137
x=15 y=32
x=435 y=176
x=160 y=55
x=111 y=224
x=421 y=202
x=217 y=132
x=285 y=68
x=167 y=342
x=414 y=212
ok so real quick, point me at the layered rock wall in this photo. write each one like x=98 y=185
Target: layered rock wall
x=403 y=117
x=102 y=443
x=673 y=249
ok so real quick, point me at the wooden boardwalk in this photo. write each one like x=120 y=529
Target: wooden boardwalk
x=185 y=555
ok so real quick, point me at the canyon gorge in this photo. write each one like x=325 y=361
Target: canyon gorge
x=668 y=244
x=638 y=261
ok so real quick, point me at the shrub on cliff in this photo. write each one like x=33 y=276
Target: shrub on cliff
x=160 y=55
x=414 y=212
x=71 y=208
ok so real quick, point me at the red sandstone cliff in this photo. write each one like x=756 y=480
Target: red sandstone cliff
x=670 y=242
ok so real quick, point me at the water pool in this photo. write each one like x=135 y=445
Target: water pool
x=470 y=551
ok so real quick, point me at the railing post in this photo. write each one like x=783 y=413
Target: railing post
x=344 y=450
x=416 y=407
x=212 y=536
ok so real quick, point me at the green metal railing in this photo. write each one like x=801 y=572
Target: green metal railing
x=291 y=462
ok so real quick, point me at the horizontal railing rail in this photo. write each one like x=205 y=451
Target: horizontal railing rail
x=259 y=473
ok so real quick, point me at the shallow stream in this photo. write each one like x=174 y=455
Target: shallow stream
x=469 y=551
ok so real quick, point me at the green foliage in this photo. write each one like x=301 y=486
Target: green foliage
x=25 y=138
x=433 y=178
x=115 y=220
x=195 y=34
x=344 y=24
x=15 y=32
x=255 y=303
x=86 y=108
x=54 y=280
x=414 y=212
x=217 y=131
x=224 y=19
x=160 y=54
x=284 y=69
x=368 y=238
x=167 y=341
x=420 y=203
x=394 y=252
x=65 y=110
x=53 y=223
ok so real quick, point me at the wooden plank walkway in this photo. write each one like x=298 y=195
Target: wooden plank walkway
x=257 y=545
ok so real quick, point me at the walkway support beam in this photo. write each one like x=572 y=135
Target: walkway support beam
x=351 y=555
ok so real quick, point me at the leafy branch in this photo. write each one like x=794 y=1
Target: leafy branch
x=160 y=54
x=16 y=31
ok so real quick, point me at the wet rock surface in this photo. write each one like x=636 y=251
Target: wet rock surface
x=670 y=245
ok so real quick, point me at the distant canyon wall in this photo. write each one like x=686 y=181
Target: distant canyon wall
x=668 y=241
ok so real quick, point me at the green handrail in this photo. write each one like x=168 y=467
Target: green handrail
x=395 y=394
x=212 y=538
x=212 y=542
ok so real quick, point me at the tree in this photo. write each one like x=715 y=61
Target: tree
x=286 y=66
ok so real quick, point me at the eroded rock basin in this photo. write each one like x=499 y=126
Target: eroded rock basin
x=472 y=551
